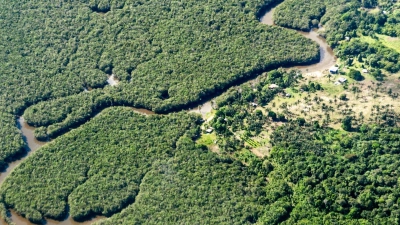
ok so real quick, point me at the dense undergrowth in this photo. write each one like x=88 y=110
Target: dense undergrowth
x=299 y=14
x=140 y=169
x=151 y=168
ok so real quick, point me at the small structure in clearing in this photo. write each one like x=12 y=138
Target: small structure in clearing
x=342 y=80
x=273 y=86
x=209 y=130
x=365 y=71
x=334 y=69
x=253 y=104
x=288 y=95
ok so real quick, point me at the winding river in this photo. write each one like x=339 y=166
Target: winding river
x=327 y=60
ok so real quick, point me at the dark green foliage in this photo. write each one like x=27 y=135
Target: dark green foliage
x=344 y=19
x=10 y=139
x=112 y=152
x=346 y=123
x=236 y=110
x=194 y=187
x=377 y=55
x=355 y=74
x=261 y=91
x=59 y=115
x=369 y=3
x=120 y=158
x=299 y=14
x=325 y=175
x=272 y=115
x=311 y=87
x=166 y=54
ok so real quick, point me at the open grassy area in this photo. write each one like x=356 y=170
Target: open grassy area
x=390 y=42
x=207 y=139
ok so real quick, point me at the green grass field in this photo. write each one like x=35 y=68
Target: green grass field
x=390 y=42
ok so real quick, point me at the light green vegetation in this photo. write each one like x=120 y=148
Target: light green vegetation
x=390 y=42
x=207 y=139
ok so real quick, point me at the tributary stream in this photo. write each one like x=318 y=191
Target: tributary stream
x=327 y=60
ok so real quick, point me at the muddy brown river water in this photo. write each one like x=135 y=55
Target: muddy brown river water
x=327 y=60
x=327 y=57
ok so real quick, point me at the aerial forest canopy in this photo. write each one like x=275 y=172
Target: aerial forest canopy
x=55 y=59
x=165 y=53
x=344 y=20
x=120 y=158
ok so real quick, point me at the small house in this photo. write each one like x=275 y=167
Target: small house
x=288 y=95
x=334 y=69
x=209 y=130
x=347 y=38
x=342 y=80
x=253 y=104
x=365 y=71
x=273 y=86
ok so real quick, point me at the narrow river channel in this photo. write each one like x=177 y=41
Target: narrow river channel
x=327 y=57
x=327 y=60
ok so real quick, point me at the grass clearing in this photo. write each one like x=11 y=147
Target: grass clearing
x=207 y=139
x=390 y=42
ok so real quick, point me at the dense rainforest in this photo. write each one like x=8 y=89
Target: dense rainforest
x=165 y=54
x=168 y=55
x=121 y=157
x=314 y=174
x=342 y=178
x=348 y=20
x=10 y=140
